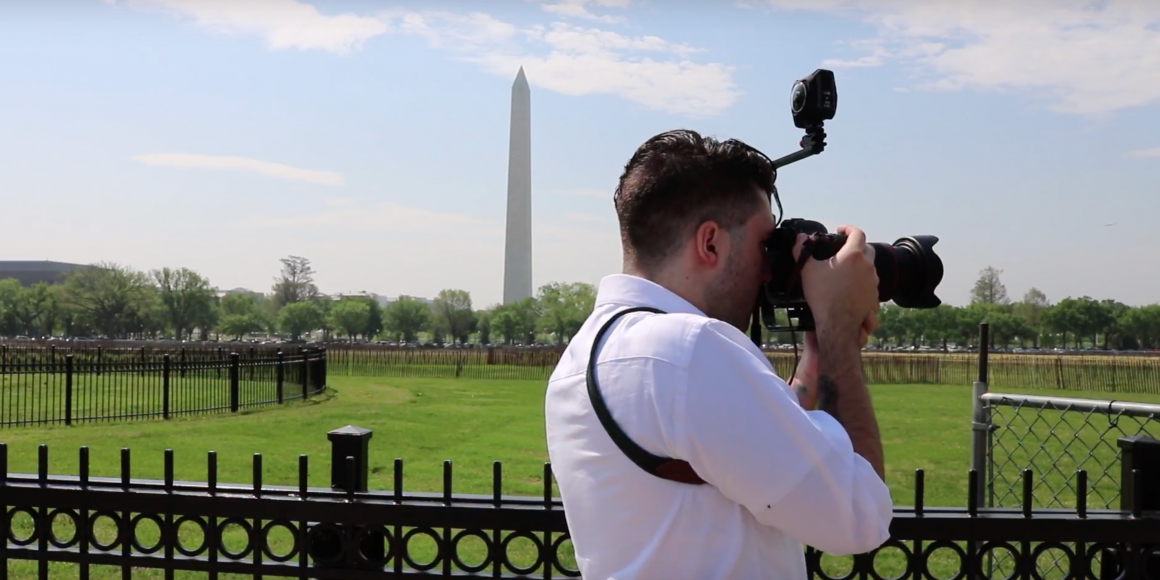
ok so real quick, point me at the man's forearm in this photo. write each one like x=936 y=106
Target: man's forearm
x=807 y=392
x=843 y=394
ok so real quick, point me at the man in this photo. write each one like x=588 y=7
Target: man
x=763 y=471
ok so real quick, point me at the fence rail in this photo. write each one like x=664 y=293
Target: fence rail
x=1096 y=373
x=50 y=386
x=348 y=532
x=1111 y=374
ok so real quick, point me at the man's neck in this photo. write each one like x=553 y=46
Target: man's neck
x=673 y=281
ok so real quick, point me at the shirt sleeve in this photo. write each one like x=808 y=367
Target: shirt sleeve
x=744 y=432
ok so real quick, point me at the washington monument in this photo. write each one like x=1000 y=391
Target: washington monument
x=517 y=265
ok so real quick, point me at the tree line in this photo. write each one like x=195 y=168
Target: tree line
x=1073 y=322
x=113 y=301
x=555 y=313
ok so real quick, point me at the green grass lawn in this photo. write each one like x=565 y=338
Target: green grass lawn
x=471 y=422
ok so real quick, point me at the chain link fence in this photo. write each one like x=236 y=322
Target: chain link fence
x=1054 y=437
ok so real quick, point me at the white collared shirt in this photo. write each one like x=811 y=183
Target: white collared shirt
x=685 y=386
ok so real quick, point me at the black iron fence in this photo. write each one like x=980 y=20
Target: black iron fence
x=1125 y=374
x=66 y=386
x=348 y=532
x=1100 y=373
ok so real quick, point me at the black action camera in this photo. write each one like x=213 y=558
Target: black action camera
x=908 y=270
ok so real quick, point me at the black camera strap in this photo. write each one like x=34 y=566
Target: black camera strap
x=662 y=467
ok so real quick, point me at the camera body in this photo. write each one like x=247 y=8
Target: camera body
x=908 y=270
x=814 y=99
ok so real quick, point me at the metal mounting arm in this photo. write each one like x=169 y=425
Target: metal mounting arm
x=813 y=143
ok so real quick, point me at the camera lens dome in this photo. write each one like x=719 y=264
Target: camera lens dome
x=798 y=97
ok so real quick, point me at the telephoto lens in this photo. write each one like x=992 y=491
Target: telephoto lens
x=908 y=271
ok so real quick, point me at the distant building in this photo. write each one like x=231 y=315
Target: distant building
x=34 y=272
x=222 y=293
x=389 y=301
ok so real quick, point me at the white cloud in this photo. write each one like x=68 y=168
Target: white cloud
x=580 y=61
x=1083 y=57
x=241 y=163
x=282 y=23
x=576 y=9
x=1153 y=152
x=560 y=57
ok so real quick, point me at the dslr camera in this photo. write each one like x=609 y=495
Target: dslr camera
x=908 y=270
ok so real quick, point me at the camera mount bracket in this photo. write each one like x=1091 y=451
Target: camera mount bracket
x=812 y=144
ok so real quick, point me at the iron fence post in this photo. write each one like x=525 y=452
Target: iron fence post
x=1139 y=491
x=980 y=419
x=68 y=388
x=165 y=386
x=1139 y=453
x=235 y=370
x=305 y=372
x=349 y=443
x=980 y=432
x=322 y=361
x=280 y=373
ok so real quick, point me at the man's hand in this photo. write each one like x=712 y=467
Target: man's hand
x=805 y=378
x=842 y=293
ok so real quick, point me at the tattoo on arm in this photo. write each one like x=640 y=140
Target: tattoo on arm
x=828 y=395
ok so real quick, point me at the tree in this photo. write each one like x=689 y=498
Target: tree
x=53 y=311
x=239 y=325
x=891 y=323
x=147 y=316
x=187 y=297
x=10 y=290
x=374 y=325
x=351 y=315
x=988 y=288
x=295 y=283
x=1031 y=310
x=527 y=313
x=31 y=309
x=483 y=324
x=453 y=314
x=108 y=297
x=505 y=322
x=299 y=318
x=1143 y=325
x=564 y=307
x=1064 y=318
x=406 y=317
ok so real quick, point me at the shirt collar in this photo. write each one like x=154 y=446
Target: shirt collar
x=629 y=290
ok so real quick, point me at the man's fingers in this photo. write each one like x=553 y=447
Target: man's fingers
x=855 y=237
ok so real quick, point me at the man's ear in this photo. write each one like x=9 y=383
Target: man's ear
x=708 y=244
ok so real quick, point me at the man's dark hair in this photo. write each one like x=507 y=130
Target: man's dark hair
x=678 y=180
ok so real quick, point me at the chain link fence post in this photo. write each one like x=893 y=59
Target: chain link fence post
x=981 y=431
x=980 y=418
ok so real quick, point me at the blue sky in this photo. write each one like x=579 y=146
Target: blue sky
x=371 y=137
